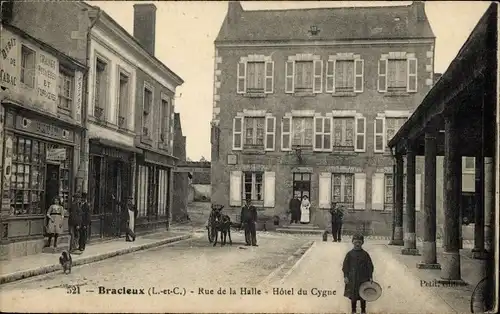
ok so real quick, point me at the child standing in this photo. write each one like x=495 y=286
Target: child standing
x=357 y=268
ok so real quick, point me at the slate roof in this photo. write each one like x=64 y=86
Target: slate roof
x=343 y=23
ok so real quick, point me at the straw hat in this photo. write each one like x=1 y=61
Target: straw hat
x=370 y=291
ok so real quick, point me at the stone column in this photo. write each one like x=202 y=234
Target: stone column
x=429 y=259
x=398 y=200
x=478 y=250
x=489 y=201
x=450 y=271
x=410 y=241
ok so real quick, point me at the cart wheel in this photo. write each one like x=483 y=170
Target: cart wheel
x=480 y=297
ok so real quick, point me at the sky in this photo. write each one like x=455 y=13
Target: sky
x=186 y=30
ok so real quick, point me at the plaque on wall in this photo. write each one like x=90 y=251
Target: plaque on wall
x=232 y=159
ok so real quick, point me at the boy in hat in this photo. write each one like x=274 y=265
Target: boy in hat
x=357 y=268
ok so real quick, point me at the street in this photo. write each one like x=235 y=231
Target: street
x=208 y=275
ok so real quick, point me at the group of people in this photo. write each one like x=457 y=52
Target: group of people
x=300 y=210
x=79 y=220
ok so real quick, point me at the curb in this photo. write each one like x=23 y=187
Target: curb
x=297 y=263
x=88 y=260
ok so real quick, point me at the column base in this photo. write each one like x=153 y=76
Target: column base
x=397 y=242
x=429 y=253
x=450 y=266
x=410 y=251
x=428 y=266
x=479 y=253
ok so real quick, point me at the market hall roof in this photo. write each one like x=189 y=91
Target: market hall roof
x=342 y=23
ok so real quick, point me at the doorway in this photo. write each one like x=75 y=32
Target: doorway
x=302 y=185
x=51 y=184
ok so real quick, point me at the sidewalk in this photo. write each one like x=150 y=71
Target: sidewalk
x=38 y=264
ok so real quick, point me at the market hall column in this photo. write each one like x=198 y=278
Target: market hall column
x=450 y=270
x=429 y=259
x=478 y=251
x=410 y=239
x=398 y=198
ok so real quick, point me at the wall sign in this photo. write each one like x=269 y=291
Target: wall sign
x=232 y=159
x=78 y=96
x=9 y=63
x=45 y=129
x=56 y=154
x=47 y=77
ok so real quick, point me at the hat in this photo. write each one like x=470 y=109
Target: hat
x=358 y=236
x=370 y=291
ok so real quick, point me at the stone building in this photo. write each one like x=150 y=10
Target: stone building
x=306 y=106
x=42 y=90
x=181 y=179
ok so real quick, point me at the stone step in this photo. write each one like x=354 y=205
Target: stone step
x=299 y=231
x=302 y=227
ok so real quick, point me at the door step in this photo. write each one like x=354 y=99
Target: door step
x=300 y=231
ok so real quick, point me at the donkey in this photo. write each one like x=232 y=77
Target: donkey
x=220 y=222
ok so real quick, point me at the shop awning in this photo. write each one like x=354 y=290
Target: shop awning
x=114 y=144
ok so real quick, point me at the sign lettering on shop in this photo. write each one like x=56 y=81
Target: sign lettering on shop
x=9 y=71
x=78 y=96
x=56 y=154
x=47 y=80
x=42 y=128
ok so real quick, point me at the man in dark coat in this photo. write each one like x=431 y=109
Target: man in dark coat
x=337 y=219
x=357 y=268
x=128 y=215
x=248 y=220
x=294 y=207
x=74 y=222
x=85 y=224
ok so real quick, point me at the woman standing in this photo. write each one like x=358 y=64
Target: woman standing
x=55 y=214
x=304 y=209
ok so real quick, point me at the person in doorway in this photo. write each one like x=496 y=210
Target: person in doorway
x=304 y=210
x=74 y=222
x=55 y=214
x=337 y=217
x=357 y=268
x=85 y=224
x=128 y=215
x=294 y=208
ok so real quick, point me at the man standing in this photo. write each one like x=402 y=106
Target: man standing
x=294 y=207
x=128 y=216
x=248 y=220
x=74 y=222
x=337 y=217
x=86 y=221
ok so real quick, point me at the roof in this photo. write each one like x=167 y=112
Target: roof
x=343 y=23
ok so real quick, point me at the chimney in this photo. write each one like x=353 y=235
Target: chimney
x=234 y=11
x=419 y=9
x=145 y=25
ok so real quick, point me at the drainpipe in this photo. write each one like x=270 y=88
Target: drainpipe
x=85 y=140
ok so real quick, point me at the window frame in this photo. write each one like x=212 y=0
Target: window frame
x=254 y=128
x=344 y=133
x=322 y=134
x=388 y=206
x=164 y=129
x=303 y=138
x=23 y=70
x=342 y=201
x=146 y=114
x=103 y=90
x=120 y=110
x=242 y=75
x=254 y=183
x=66 y=73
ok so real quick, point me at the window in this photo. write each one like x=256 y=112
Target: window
x=302 y=130
x=65 y=88
x=397 y=75
x=164 y=128
x=146 y=116
x=123 y=100
x=255 y=77
x=101 y=88
x=379 y=145
x=286 y=133
x=469 y=164
x=343 y=189
x=252 y=183
x=302 y=185
x=323 y=134
x=343 y=133
x=388 y=191
x=27 y=67
x=360 y=139
x=344 y=76
x=254 y=131
x=392 y=126
x=304 y=76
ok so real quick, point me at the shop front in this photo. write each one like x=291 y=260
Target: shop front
x=38 y=165
x=153 y=191
x=111 y=173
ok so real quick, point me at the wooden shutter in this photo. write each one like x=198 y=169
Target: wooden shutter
x=286 y=134
x=382 y=76
x=269 y=188
x=360 y=134
x=378 y=135
x=235 y=184
x=237 y=133
x=378 y=189
x=330 y=76
x=418 y=191
x=241 y=84
x=269 y=77
x=359 y=75
x=360 y=191
x=325 y=190
x=412 y=75
x=270 y=136
x=289 y=77
x=318 y=134
x=318 y=76
x=327 y=133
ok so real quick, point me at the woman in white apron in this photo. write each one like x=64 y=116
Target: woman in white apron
x=304 y=208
